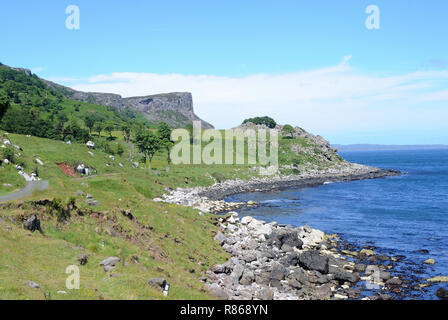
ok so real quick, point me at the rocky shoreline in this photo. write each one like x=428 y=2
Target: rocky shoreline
x=210 y=199
x=271 y=261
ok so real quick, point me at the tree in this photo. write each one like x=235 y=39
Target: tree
x=109 y=127
x=4 y=104
x=89 y=121
x=98 y=127
x=148 y=143
x=267 y=121
x=288 y=131
x=126 y=129
x=164 y=133
x=120 y=149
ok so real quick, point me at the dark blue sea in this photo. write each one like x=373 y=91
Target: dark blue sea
x=400 y=215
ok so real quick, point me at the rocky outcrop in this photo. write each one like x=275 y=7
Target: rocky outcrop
x=176 y=109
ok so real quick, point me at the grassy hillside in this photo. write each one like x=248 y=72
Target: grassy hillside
x=110 y=213
x=168 y=241
x=162 y=240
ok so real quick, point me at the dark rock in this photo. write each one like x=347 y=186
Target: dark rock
x=360 y=267
x=295 y=284
x=158 y=283
x=278 y=272
x=345 y=276
x=290 y=259
x=82 y=259
x=312 y=260
x=385 y=297
x=221 y=268
x=394 y=282
x=301 y=276
x=442 y=294
x=33 y=224
x=353 y=293
x=290 y=238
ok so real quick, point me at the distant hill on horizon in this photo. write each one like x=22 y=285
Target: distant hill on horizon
x=380 y=147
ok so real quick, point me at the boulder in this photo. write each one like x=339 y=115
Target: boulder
x=109 y=263
x=442 y=294
x=394 y=282
x=278 y=272
x=301 y=276
x=218 y=292
x=158 y=283
x=220 y=237
x=430 y=261
x=265 y=294
x=90 y=144
x=247 y=278
x=312 y=260
x=82 y=259
x=345 y=276
x=246 y=220
x=33 y=285
x=237 y=273
x=289 y=238
x=324 y=291
x=33 y=224
x=221 y=268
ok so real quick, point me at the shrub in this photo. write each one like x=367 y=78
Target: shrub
x=267 y=121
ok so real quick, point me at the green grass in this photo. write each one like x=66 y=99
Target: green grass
x=170 y=241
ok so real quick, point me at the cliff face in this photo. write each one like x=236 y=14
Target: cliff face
x=176 y=109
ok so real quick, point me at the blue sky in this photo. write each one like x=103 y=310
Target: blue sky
x=309 y=63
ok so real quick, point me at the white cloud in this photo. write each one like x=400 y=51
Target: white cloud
x=330 y=100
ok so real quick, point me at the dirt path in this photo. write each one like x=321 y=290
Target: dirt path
x=30 y=187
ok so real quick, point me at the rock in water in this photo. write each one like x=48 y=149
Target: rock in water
x=33 y=224
x=430 y=261
x=442 y=294
x=312 y=260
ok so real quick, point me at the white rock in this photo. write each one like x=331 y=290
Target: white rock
x=246 y=220
x=90 y=144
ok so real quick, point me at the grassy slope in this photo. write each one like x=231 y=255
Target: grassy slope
x=175 y=244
